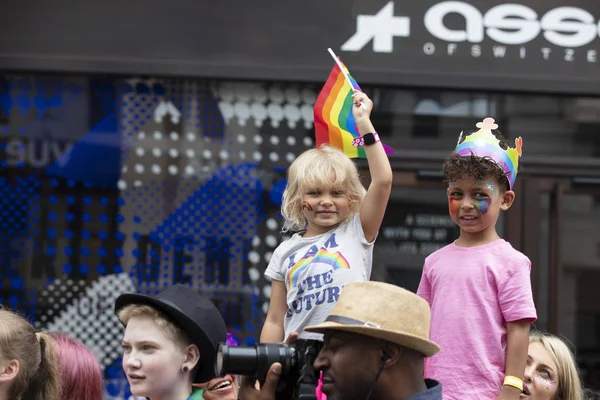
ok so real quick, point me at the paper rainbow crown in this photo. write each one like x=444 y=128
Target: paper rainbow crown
x=483 y=143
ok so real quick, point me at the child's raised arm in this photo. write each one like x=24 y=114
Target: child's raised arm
x=378 y=194
x=272 y=331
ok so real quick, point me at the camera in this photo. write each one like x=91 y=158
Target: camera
x=298 y=377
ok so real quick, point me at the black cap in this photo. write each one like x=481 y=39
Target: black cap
x=193 y=313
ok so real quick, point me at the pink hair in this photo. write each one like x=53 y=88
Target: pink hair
x=80 y=374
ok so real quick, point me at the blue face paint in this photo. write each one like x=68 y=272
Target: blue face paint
x=482 y=198
x=482 y=205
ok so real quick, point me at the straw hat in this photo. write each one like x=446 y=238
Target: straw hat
x=382 y=311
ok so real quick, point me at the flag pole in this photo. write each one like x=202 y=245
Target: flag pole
x=339 y=64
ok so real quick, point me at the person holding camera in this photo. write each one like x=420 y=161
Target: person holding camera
x=170 y=343
x=375 y=341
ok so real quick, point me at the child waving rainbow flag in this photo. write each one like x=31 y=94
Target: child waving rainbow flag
x=334 y=122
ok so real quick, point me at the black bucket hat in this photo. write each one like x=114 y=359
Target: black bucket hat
x=193 y=313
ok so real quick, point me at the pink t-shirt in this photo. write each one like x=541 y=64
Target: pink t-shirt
x=473 y=292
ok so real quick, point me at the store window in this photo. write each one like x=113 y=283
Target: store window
x=113 y=185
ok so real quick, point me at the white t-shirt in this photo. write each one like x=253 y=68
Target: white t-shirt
x=315 y=269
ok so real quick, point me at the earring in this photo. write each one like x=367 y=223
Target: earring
x=185 y=369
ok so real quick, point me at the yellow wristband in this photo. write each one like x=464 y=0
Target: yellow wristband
x=514 y=382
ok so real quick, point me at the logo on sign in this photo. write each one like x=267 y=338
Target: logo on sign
x=381 y=28
x=508 y=25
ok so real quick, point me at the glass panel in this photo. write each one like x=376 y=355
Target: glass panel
x=580 y=298
x=111 y=185
x=432 y=120
x=554 y=126
x=120 y=185
x=543 y=263
x=415 y=225
x=428 y=120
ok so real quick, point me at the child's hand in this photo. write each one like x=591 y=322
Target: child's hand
x=293 y=336
x=361 y=111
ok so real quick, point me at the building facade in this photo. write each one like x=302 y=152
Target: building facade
x=141 y=148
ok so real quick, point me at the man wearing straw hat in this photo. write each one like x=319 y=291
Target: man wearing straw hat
x=375 y=341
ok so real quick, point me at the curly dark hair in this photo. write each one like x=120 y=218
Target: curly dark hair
x=480 y=168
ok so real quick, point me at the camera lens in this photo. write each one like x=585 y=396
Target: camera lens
x=219 y=361
x=254 y=361
x=236 y=360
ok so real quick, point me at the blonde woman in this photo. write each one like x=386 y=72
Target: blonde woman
x=551 y=372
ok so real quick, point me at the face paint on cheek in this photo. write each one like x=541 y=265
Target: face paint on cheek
x=482 y=205
x=545 y=382
x=306 y=206
x=454 y=205
x=486 y=184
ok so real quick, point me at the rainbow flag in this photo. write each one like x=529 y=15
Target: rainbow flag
x=334 y=122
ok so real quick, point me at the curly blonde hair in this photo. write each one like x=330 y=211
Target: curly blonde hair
x=323 y=166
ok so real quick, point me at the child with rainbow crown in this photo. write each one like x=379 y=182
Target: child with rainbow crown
x=479 y=287
x=338 y=220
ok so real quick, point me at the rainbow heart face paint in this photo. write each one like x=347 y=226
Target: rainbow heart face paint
x=482 y=205
x=306 y=206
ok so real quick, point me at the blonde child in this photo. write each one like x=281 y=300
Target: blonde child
x=338 y=220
